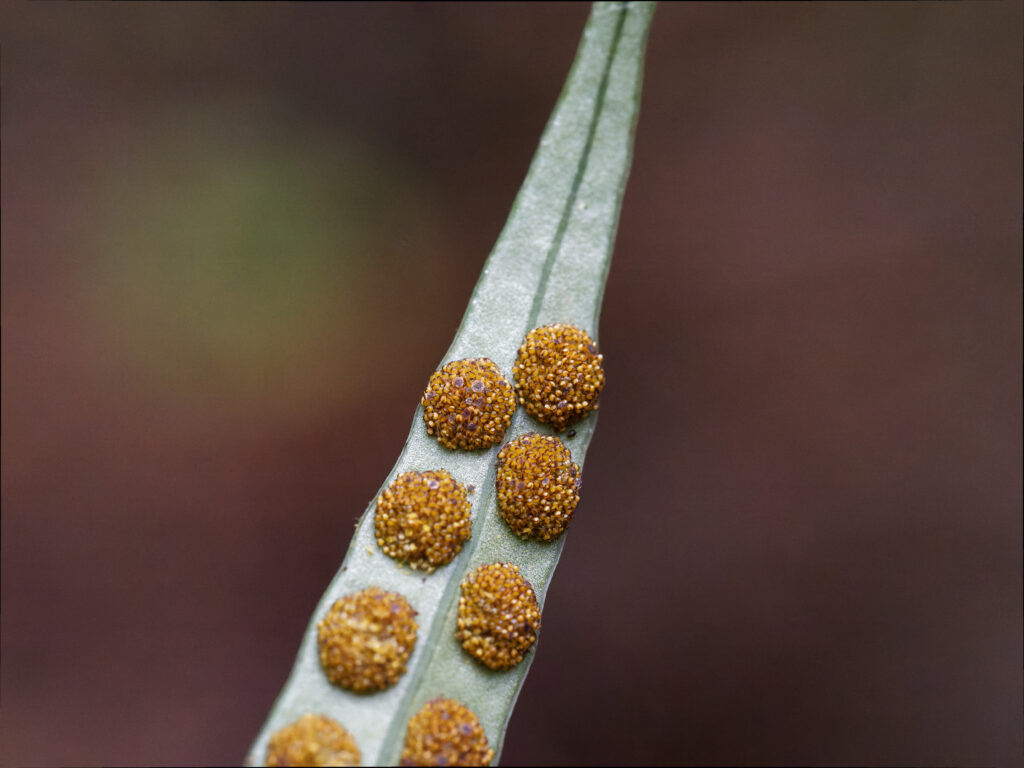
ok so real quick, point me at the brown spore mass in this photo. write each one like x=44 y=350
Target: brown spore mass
x=559 y=374
x=498 y=616
x=423 y=519
x=366 y=638
x=468 y=404
x=313 y=740
x=537 y=485
x=444 y=732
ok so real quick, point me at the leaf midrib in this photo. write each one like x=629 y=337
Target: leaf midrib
x=581 y=167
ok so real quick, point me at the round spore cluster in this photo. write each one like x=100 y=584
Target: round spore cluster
x=498 y=616
x=538 y=486
x=366 y=639
x=468 y=404
x=313 y=740
x=444 y=732
x=423 y=519
x=558 y=374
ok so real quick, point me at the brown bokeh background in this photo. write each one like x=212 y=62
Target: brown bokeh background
x=238 y=238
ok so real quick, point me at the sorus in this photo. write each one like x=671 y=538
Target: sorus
x=313 y=740
x=559 y=374
x=423 y=519
x=444 y=732
x=366 y=639
x=498 y=616
x=537 y=485
x=468 y=404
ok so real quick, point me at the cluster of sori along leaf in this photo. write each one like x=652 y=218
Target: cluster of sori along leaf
x=420 y=645
x=421 y=521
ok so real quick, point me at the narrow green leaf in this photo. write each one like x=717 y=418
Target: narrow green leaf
x=549 y=265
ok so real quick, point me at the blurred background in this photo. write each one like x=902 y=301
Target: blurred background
x=237 y=239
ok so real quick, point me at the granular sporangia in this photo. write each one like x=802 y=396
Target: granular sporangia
x=444 y=732
x=498 y=617
x=468 y=404
x=538 y=486
x=313 y=740
x=366 y=639
x=423 y=519
x=558 y=374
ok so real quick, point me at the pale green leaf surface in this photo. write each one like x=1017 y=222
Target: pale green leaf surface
x=548 y=265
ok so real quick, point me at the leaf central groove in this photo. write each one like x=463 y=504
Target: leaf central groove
x=581 y=167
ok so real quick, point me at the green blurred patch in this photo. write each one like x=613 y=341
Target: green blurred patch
x=235 y=265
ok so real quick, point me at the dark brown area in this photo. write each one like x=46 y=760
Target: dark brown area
x=237 y=239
